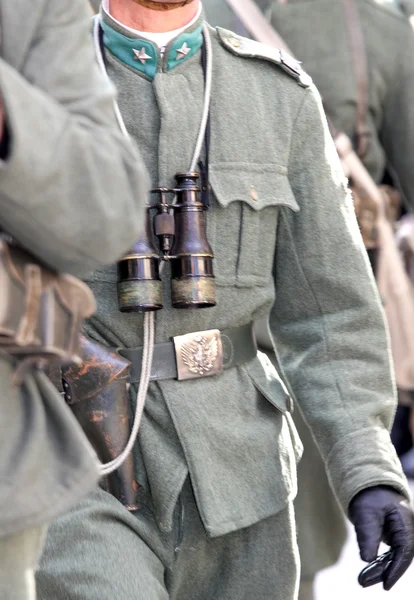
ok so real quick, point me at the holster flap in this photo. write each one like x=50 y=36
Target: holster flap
x=100 y=366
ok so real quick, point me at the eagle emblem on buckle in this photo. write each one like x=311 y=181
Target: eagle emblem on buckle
x=199 y=354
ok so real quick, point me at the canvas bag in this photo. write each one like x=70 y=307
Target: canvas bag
x=41 y=311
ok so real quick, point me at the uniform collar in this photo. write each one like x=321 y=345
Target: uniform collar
x=145 y=56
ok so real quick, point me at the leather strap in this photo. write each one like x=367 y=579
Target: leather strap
x=239 y=346
x=256 y=24
x=359 y=59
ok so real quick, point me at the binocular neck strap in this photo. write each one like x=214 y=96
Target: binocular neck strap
x=204 y=166
x=149 y=319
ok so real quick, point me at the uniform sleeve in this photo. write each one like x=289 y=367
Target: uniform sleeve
x=45 y=455
x=327 y=321
x=72 y=188
x=397 y=132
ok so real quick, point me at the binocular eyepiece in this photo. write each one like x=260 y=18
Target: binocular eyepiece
x=181 y=231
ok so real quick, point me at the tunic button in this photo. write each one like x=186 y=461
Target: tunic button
x=235 y=42
x=253 y=194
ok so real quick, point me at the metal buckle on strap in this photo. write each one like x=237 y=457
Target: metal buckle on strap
x=199 y=354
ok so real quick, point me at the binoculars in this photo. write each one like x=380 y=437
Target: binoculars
x=181 y=231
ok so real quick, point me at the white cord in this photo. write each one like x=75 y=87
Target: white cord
x=149 y=320
x=102 y=66
x=207 y=98
x=147 y=355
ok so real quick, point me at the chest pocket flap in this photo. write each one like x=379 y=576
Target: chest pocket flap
x=259 y=185
x=247 y=198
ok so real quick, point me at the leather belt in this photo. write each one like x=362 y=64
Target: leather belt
x=197 y=354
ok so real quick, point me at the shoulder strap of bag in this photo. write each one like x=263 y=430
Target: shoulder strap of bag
x=256 y=24
x=360 y=65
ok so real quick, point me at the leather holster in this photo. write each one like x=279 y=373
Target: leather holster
x=97 y=392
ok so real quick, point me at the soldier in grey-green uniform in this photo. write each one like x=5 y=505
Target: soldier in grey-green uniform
x=407 y=6
x=71 y=191
x=316 y=31
x=95 y=4
x=216 y=455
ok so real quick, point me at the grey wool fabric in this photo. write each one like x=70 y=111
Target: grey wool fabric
x=143 y=563
x=69 y=187
x=280 y=209
x=19 y=556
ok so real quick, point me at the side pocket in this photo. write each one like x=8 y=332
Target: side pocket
x=294 y=436
x=266 y=379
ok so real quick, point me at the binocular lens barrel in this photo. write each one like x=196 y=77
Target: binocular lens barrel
x=139 y=282
x=192 y=283
x=181 y=230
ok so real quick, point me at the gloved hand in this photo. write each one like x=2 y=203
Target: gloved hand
x=382 y=514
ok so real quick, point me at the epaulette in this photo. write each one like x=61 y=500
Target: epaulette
x=246 y=48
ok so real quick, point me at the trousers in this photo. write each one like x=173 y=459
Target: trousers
x=307 y=588
x=19 y=557
x=99 y=551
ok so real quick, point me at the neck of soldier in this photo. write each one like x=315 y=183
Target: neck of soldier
x=139 y=17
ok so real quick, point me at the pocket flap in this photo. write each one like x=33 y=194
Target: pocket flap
x=257 y=185
x=267 y=381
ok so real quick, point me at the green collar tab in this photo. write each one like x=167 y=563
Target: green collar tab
x=140 y=54
x=184 y=47
x=144 y=56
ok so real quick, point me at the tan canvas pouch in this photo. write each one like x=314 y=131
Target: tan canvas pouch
x=41 y=311
x=366 y=210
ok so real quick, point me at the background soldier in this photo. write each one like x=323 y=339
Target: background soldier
x=95 y=5
x=71 y=191
x=216 y=456
x=319 y=36
x=408 y=8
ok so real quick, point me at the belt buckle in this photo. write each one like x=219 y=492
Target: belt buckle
x=199 y=354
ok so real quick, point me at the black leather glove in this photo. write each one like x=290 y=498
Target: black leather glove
x=380 y=514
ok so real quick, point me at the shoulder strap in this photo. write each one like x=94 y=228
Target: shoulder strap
x=359 y=59
x=248 y=48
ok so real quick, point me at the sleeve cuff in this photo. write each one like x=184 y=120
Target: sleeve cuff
x=365 y=459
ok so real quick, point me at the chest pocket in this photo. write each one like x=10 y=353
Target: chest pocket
x=243 y=220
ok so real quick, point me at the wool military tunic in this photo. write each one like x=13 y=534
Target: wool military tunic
x=279 y=211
